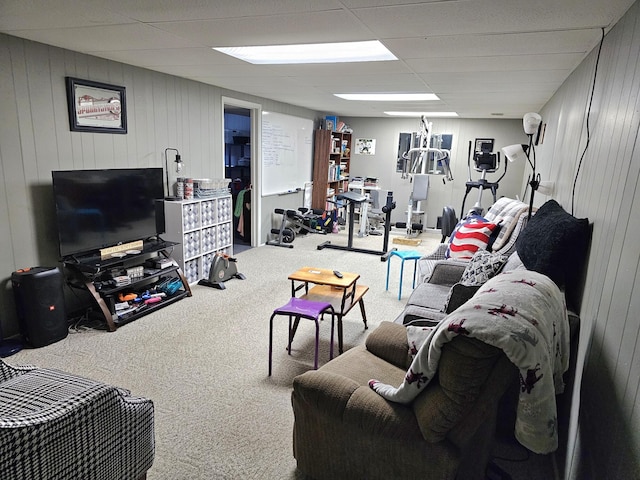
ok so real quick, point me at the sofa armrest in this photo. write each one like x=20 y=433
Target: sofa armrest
x=7 y=371
x=324 y=392
x=447 y=272
x=331 y=395
x=437 y=254
x=110 y=434
x=389 y=342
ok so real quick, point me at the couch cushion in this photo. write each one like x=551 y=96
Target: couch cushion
x=507 y=212
x=471 y=234
x=513 y=263
x=482 y=266
x=421 y=316
x=554 y=243
x=425 y=305
x=359 y=364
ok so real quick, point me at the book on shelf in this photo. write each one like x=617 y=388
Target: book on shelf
x=335 y=172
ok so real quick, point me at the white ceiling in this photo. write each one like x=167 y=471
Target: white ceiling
x=481 y=57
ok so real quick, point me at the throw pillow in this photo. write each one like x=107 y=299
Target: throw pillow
x=513 y=263
x=482 y=266
x=471 y=234
x=554 y=243
x=458 y=295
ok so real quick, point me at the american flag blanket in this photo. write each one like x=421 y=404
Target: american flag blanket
x=523 y=313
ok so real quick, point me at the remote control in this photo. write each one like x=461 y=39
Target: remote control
x=337 y=273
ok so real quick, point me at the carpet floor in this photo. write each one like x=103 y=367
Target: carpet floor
x=203 y=361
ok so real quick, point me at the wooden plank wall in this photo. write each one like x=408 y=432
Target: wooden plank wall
x=605 y=429
x=162 y=111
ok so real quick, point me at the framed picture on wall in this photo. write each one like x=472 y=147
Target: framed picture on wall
x=96 y=107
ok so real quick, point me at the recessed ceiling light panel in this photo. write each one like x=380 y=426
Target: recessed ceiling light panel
x=420 y=114
x=369 y=51
x=388 y=97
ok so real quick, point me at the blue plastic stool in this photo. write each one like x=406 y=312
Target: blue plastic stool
x=403 y=255
x=300 y=308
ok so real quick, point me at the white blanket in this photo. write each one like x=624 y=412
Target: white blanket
x=524 y=314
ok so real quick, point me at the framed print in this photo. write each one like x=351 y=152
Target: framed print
x=96 y=107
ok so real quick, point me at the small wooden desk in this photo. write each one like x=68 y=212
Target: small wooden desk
x=342 y=293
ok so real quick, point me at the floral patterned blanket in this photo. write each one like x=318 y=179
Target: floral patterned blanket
x=524 y=314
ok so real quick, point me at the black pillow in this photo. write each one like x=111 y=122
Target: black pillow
x=554 y=243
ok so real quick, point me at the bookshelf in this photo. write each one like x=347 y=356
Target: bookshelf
x=331 y=158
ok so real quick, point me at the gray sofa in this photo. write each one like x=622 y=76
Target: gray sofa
x=439 y=289
x=555 y=244
x=343 y=429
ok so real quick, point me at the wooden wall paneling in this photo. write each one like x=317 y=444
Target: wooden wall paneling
x=19 y=174
x=144 y=120
x=57 y=60
x=214 y=135
x=39 y=192
x=159 y=93
x=103 y=154
x=192 y=127
x=170 y=140
x=10 y=152
x=71 y=70
x=116 y=76
x=614 y=255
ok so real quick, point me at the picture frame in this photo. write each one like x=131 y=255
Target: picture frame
x=96 y=107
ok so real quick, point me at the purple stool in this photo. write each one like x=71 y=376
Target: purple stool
x=301 y=308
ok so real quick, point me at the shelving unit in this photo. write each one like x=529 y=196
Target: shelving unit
x=96 y=275
x=202 y=227
x=331 y=162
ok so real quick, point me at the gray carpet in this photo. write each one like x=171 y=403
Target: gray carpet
x=203 y=360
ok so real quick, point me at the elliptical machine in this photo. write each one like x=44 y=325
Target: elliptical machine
x=485 y=162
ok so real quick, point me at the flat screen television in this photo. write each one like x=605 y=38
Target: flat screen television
x=101 y=208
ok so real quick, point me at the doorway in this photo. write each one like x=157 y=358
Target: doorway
x=237 y=168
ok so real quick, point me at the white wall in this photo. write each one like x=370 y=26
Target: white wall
x=382 y=165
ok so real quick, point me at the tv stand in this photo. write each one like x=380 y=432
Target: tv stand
x=95 y=275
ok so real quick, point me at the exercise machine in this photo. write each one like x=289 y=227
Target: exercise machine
x=295 y=223
x=223 y=268
x=427 y=153
x=418 y=193
x=485 y=161
x=353 y=199
x=426 y=156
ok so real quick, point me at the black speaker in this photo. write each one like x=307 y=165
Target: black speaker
x=40 y=304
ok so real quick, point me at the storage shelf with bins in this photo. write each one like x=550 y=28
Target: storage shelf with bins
x=202 y=227
x=331 y=162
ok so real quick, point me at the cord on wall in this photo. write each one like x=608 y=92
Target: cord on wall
x=593 y=87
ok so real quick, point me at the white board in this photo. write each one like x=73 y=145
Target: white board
x=287 y=153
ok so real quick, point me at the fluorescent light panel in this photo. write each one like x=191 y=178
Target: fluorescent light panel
x=369 y=51
x=388 y=97
x=420 y=114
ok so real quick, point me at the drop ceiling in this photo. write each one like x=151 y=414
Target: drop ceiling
x=483 y=58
